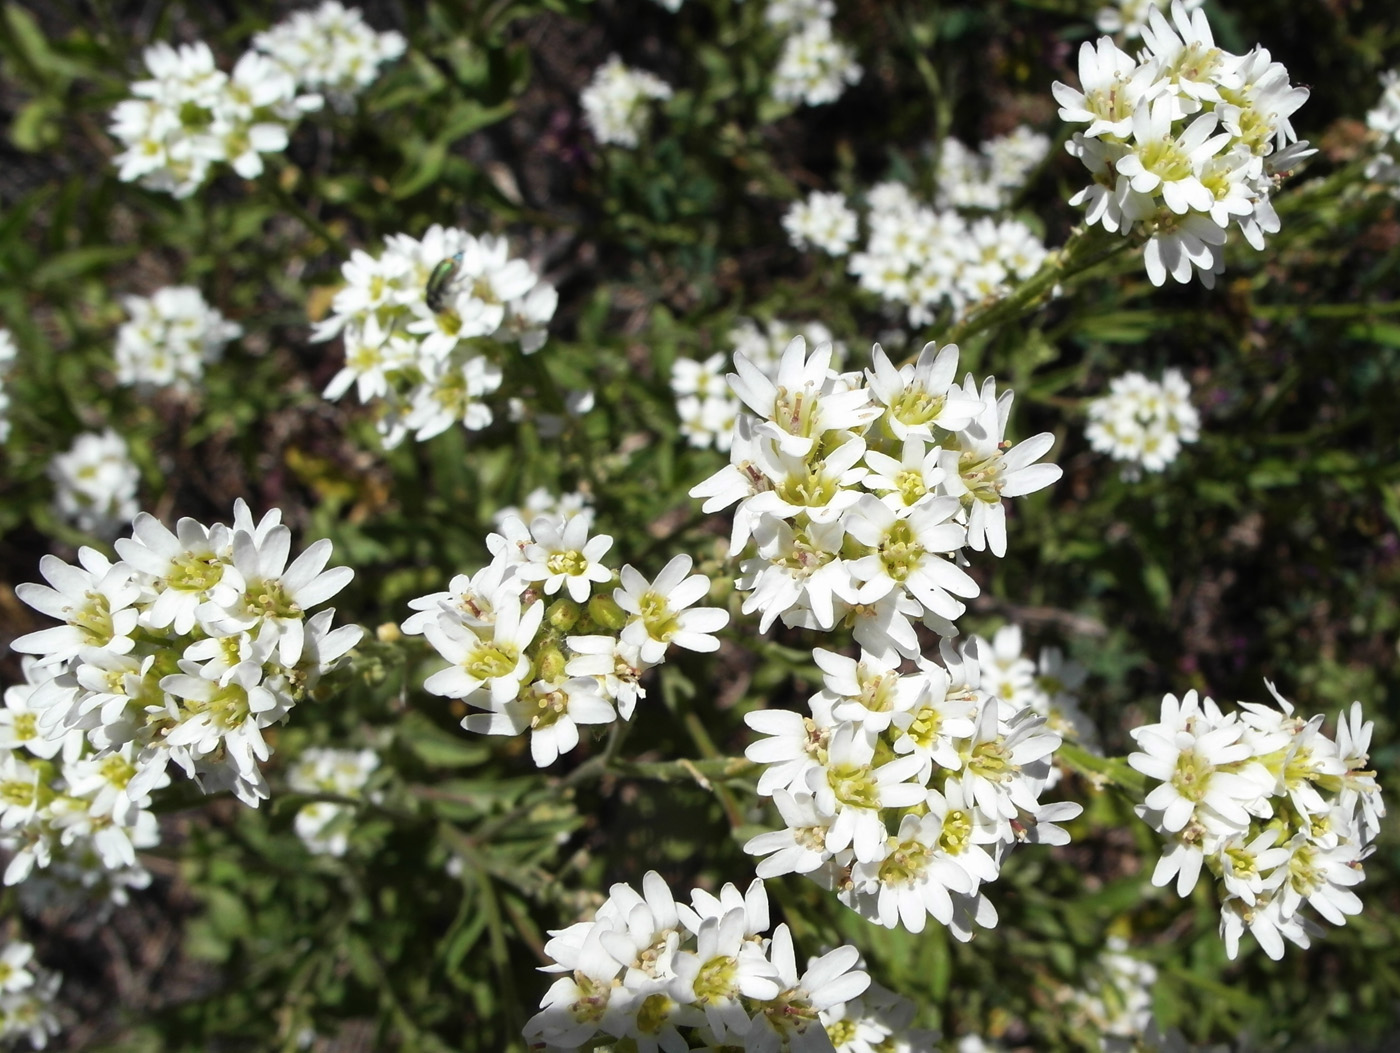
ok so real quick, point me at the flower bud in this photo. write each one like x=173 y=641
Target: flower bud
x=605 y=611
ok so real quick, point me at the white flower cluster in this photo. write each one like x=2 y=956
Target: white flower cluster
x=1117 y=1006
x=27 y=995
x=824 y=221
x=1046 y=686
x=190 y=116
x=1129 y=17
x=924 y=258
x=9 y=353
x=707 y=408
x=1182 y=142
x=68 y=809
x=1143 y=422
x=860 y=491
x=1280 y=814
x=1384 y=122
x=615 y=102
x=814 y=67
x=559 y=509
x=95 y=483
x=546 y=665
x=666 y=975
x=991 y=177
x=330 y=49
x=185 y=649
x=423 y=325
x=790 y=14
x=324 y=826
x=170 y=337
x=904 y=792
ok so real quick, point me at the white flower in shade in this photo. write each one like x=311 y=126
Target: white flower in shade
x=95 y=483
x=822 y=220
x=814 y=68
x=324 y=826
x=615 y=101
x=170 y=337
x=663 y=611
x=330 y=49
x=800 y=847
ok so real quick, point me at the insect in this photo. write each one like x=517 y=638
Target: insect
x=440 y=281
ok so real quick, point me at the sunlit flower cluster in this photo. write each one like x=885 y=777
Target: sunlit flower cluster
x=1129 y=17
x=1280 y=814
x=666 y=975
x=1384 y=122
x=324 y=826
x=425 y=324
x=27 y=996
x=706 y=406
x=190 y=116
x=990 y=177
x=1143 y=422
x=1182 y=142
x=547 y=637
x=903 y=792
x=95 y=483
x=860 y=491
x=926 y=260
x=814 y=67
x=170 y=337
x=9 y=353
x=183 y=651
x=330 y=49
x=615 y=102
x=70 y=819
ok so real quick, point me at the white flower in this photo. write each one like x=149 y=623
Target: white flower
x=95 y=483
x=566 y=558
x=614 y=102
x=170 y=337
x=659 y=611
x=821 y=220
x=330 y=49
x=814 y=68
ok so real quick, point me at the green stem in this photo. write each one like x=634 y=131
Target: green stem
x=1103 y=771
x=1086 y=247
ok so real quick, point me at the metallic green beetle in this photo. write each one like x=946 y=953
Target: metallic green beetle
x=440 y=281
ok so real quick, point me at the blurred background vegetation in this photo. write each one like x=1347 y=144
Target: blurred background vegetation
x=1270 y=549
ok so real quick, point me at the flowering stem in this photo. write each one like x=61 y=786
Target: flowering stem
x=1103 y=771
x=1087 y=247
x=707 y=772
